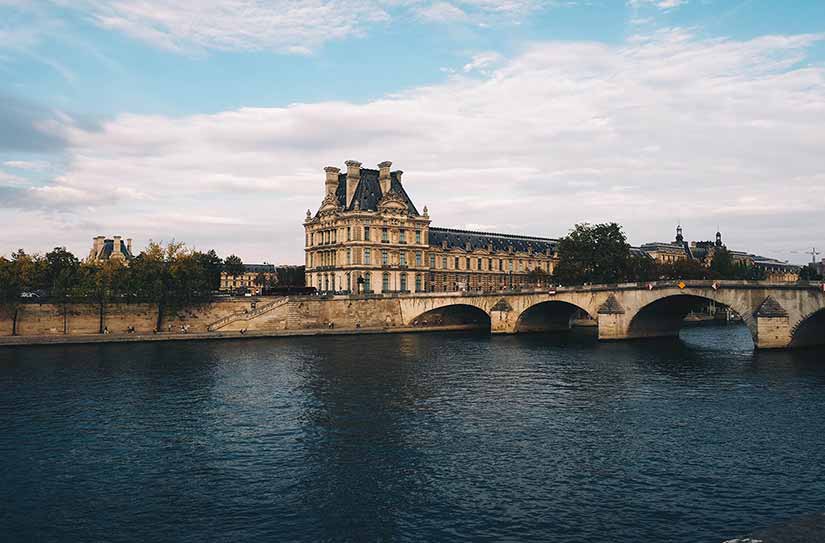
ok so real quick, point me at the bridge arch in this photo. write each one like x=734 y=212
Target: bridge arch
x=810 y=330
x=454 y=316
x=665 y=316
x=549 y=316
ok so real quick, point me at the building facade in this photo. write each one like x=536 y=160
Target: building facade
x=113 y=248
x=254 y=279
x=368 y=237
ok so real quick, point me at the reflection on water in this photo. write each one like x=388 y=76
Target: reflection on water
x=448 y=437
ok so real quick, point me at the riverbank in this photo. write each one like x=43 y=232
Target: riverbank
x=8 y=341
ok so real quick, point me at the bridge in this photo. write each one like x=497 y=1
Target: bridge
x=778 y=315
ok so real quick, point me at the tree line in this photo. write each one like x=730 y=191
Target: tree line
x=171 y=276
x=600 y=254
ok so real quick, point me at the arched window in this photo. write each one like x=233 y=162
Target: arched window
x=385 y=282
x=403 y=282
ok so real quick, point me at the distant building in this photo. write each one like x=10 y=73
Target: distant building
x=820 y=267
x=254 y=279
x=114 y=248
x=705 y=251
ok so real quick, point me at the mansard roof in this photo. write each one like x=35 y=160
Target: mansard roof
x=482 y=240
x=368 y=192
x=259 y=268
x=108 y=249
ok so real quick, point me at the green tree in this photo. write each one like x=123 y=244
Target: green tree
x=103 y=283
x=212 y=266
x=809 y=273
x=233 y=265
x=538 y=277
x=60 y=276
x=684 y=269
x=18 y=274
x=593 y=254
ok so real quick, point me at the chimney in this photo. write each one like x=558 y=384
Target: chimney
x=384 y=176
x=129 y=245
x=353 y=178
x=97 y=246
x=116 y=245
x=331 y=184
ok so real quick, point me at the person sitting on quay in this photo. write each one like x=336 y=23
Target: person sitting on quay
x=106 y=331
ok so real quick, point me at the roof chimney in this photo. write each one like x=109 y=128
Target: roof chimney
x=116 y=245
x=129 y=245
x=331 y=184
x=384 y=176
x=353 y=178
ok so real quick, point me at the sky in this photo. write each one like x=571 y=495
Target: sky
x=210 y=122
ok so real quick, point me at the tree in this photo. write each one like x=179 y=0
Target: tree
x=538 y=277
x=233 y=265
x=684 y=269
x=212 y=266
x=809 y=273
x=103 y=282
x=10 y=290
x=60 y=277
x=593 y=254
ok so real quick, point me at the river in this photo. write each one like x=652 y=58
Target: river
x=410 y=437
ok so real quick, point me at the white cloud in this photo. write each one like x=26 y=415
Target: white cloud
x=661 y=4
x=26 y=164
x=710 y=131
x=482 y=62
x=279 y=25
x=441 y=12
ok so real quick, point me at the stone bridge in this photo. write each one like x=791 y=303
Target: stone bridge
x=779 y=315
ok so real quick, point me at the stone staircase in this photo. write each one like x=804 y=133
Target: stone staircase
x=247 y=315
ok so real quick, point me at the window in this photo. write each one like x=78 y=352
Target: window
x=500 y=265
x=511 y=264
x=385 y=235
x=418 y=258
x=418 y=283
x=444 y=262
x=467 y=262
x=349 y=256
x=366 y=233
x=385 y=257
x=367 y=255
x=349 y=233
x=432 y=261
x=402 y=259
x=403 y=281
x=457 y=263
x=402 y=236
x=349 y=282
x=385 y=282
x=418 y=236
x=367 y=282
x=489 y=264
x=479 y=264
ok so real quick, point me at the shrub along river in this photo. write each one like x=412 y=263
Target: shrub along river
x=410 y=437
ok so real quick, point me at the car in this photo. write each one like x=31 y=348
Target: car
x=29 y=295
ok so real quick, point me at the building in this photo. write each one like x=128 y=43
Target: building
x=704 y=252
x=369 y=237
x=114 y=248
x=255 y=278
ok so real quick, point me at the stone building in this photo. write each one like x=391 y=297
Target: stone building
x=114 y=248
x=254 y=279
x=369 y=237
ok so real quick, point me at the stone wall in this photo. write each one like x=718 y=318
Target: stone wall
x=81 y=319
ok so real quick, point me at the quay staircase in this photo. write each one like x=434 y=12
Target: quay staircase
x=247 y=314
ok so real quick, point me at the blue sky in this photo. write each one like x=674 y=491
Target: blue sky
x=210 y=122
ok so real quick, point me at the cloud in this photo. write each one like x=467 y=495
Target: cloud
x=441 y=12
x=278 y=25
x=26 y=164
x=26 y=126
x=482 y=61
x=665 y=126
x=661 y=4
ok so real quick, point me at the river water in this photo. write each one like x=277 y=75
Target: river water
x=414 y=437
